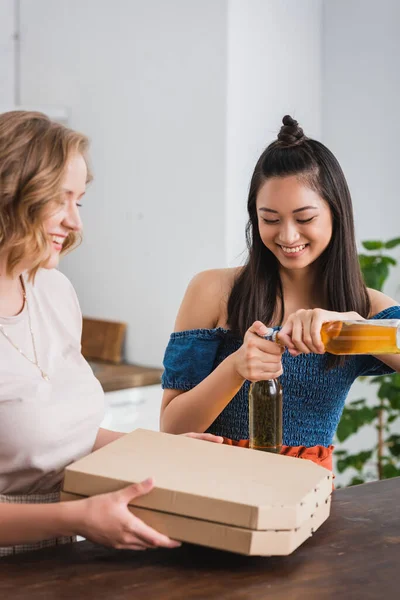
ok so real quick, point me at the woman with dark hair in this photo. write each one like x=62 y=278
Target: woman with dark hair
x=302 y=270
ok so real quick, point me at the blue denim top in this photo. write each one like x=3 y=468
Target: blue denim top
x=313 y=397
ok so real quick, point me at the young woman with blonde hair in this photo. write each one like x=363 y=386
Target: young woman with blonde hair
x=51 y=405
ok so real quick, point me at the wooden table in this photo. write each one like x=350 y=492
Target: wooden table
x=355 y=555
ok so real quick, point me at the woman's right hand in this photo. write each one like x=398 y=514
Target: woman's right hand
x=258 y=359
x=106 y=519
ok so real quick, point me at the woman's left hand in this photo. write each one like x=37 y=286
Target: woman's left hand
x=301 y=333
x=208 y=437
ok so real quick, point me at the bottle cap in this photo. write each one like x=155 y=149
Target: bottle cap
x=271 y=334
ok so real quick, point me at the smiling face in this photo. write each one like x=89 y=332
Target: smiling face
x=66 y=219
x=294 y=222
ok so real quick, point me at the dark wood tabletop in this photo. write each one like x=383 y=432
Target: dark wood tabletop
x=355 y=555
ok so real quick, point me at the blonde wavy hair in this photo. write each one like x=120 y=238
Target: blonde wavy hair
x=34 y=152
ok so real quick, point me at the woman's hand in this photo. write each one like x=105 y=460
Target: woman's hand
x=258 y=359
x=106 y=519
x=301 y=333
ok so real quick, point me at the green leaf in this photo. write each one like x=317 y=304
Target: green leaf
x=360 y=402
x=378 y=379
x=395 y=380
x=392 y=418
x=375 y=268
x=342 y=465
x=357 y=461
x=393 y=445
x=375 y=275
x=392 y=243
x=394 y=400
x=384 y=391
x=366 y=415
x=390 y=390
x=383 y=274
x=389 y=471
x=341 y=453
x=352 y=420
x=357 y=480
x=388 y=260
x=346 y=429
x=361 y=458
x=373 y=245
x=366 y=260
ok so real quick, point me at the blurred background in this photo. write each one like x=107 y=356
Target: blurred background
x=179 y=98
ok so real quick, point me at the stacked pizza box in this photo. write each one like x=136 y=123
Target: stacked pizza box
x=225 y=497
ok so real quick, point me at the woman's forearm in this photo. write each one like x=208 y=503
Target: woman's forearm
x=28 y=523
x=196 y=409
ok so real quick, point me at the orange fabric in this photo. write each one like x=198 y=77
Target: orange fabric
x=318 y=454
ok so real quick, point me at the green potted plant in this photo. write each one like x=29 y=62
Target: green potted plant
x=382 y=460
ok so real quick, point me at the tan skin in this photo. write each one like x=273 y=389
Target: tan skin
x=295 y=223
x=104 y=519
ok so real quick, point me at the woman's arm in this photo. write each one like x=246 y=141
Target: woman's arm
x=302 y=331
x=104 y=519
x=204 y=306
x=27 y=523
x=196 y=409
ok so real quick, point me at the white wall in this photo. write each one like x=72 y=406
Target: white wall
x=361 y=94
x=179 y=110
x=6 y=52
x=274 y=68
x=147 y=81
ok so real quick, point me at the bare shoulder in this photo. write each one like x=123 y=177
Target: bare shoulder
x=379 y=301
x=204 y=303
x=215 y=281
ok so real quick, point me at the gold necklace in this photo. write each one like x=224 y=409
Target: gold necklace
x=35 y=361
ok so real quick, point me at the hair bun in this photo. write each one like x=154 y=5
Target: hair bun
x=291 y=134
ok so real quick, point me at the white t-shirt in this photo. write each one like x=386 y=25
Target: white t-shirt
x=45 y=425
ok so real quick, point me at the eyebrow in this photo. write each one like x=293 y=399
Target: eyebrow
x=71 y=192
x=263 y=209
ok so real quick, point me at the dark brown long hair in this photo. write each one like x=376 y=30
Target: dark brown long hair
x=257 y=292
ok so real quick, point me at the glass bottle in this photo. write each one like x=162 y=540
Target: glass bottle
x=265 y=412
x=376 y=336
x=265 y=416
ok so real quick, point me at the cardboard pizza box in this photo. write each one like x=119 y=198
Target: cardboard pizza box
x=205 y=492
